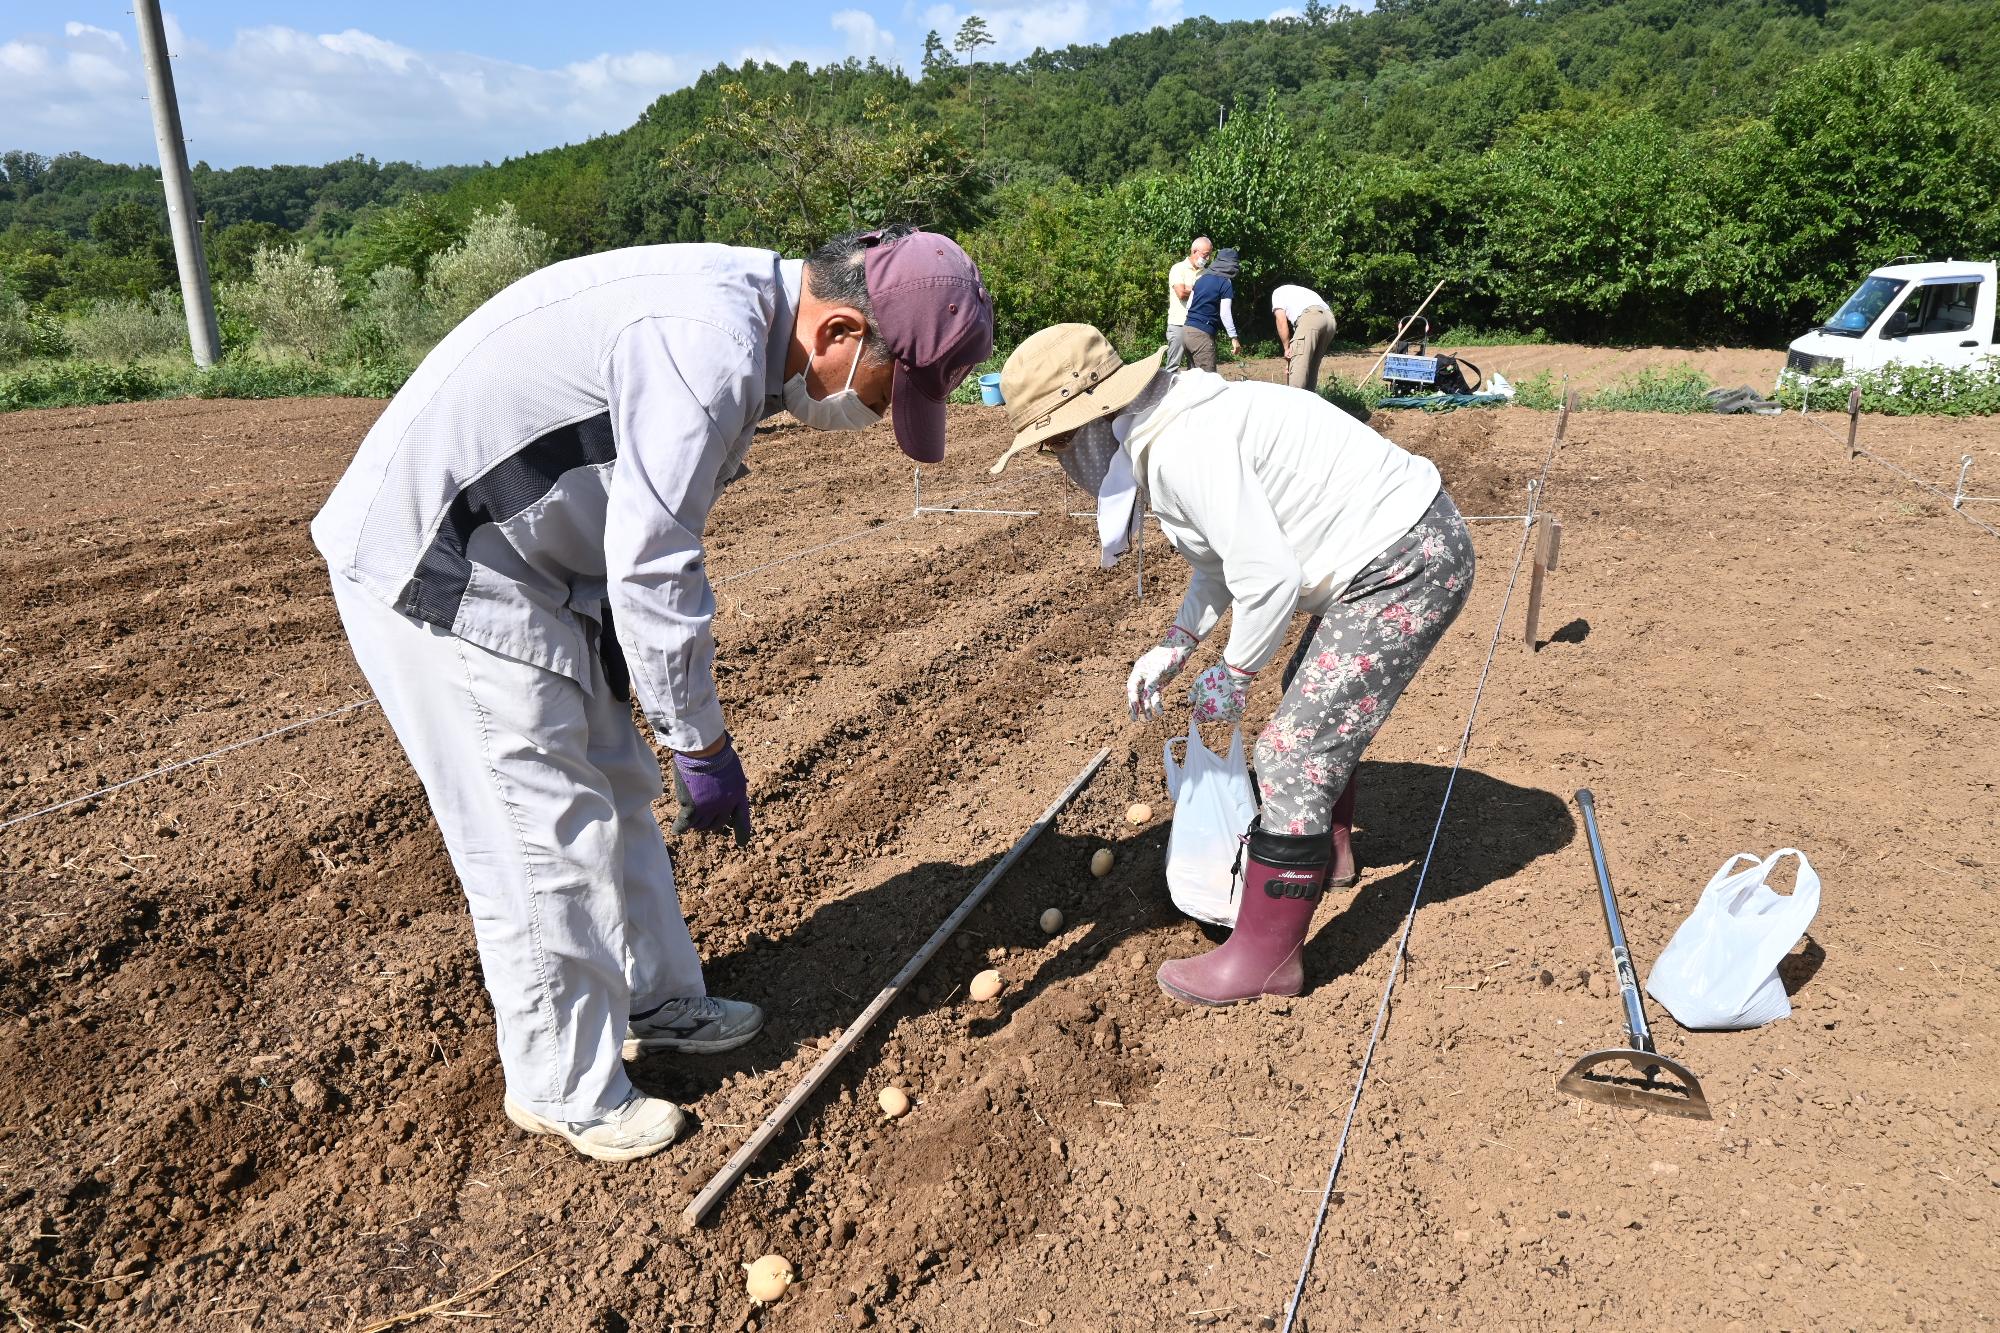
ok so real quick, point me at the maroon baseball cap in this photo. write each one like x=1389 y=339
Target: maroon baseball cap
x=937 y=320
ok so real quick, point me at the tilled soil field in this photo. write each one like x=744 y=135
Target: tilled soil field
x=248 y=1078
x=1588 y=369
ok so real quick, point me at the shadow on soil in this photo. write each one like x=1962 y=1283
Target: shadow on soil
x=820 y=974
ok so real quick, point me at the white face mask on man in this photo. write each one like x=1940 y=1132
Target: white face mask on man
x=840 y=411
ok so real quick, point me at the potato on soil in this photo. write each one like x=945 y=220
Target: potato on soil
x=1138 y=812
x=1052 y=921
x=985 y=986
x=893 y=1101
x=767 y=1278
x=1100 y=862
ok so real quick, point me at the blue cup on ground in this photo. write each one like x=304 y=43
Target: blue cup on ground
x=989 y=390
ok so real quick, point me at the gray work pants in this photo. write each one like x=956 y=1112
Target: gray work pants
x=1200 y=348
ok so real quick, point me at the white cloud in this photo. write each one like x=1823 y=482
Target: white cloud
x=92 y=31
x=1287 y=14
x=865 y=37
x=1164 y=13
x=279 y=94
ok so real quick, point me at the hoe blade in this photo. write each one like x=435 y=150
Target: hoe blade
x=1639 y=1085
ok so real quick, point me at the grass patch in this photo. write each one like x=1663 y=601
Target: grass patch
x=1357 y=398
x=1671 y=389
x=91 y=383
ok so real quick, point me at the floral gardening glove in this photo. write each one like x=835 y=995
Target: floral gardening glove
x=1154 y=669
x=713 y=792
x=1219 y=693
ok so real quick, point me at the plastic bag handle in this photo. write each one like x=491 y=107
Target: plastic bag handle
x=1173 y=767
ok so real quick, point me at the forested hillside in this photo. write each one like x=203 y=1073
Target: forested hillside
x=1599 y=169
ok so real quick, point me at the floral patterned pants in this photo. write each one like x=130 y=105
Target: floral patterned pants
x=1352 y=664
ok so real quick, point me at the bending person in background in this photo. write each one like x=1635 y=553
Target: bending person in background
x=1210 y=312
x=1305 y=328
x=1284 y=505
x=548 y=471
x=1180 y=286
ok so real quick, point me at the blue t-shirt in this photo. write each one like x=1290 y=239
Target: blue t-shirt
x=1205 y=302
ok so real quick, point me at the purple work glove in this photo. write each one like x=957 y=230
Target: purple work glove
x=713 y=792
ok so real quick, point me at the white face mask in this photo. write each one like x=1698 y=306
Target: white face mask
x=841 y=411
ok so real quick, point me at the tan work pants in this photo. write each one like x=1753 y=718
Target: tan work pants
x=1312 y=338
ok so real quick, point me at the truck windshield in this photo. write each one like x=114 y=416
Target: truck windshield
x=1863 y=308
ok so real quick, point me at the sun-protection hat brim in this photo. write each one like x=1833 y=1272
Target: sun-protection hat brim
x=935 y=317
x=1061 y=378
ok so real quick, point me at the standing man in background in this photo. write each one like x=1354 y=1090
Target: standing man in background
x=1209 y=311
x=1305 y=327
x=1180 y=286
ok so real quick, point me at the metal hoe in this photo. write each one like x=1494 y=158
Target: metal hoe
x=1647 y=1091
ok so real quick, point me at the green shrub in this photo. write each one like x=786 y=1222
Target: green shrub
x=119 y=331
x=394 y=304
x=294 y=303
x=1903 y=391
x=498 y=250
x=264 y=379
x=377 y=378
x=17 y=331
x=79 y=384
x=1678 y=388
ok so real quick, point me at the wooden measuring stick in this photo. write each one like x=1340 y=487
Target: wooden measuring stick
x=1548 y=545
x=774 y=1123
x=1853 y=418
x=1399 y=333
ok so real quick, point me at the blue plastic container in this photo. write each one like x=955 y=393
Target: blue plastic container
x=989 y=390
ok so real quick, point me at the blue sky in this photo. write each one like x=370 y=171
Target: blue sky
x=265 y=81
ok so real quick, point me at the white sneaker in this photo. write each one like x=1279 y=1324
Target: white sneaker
x=700 y=1025
x=639 y=1128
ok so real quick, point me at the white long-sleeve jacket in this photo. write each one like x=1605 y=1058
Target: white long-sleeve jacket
x=561 y=449
x=1276 y=497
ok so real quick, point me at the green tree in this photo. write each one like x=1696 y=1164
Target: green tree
x=407 y=234
x=231 y=249
x=972 y=35
x=937 y=56
x=769 y=174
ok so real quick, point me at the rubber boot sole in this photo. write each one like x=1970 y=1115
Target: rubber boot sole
x=1174 y=992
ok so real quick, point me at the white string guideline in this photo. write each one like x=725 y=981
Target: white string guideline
x=1905 y=475
x=1416 y=895
x=185 y=763
x=363 y=703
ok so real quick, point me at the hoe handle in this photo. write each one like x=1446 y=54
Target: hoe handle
x=1637 y=1033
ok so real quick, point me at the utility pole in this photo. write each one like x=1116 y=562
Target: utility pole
x=203 y=337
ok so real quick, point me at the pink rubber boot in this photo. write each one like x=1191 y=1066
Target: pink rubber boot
x=1282 y=880
x=1344 y=874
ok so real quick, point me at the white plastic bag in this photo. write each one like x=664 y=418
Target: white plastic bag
x=1720 y=970
x=1213 y=807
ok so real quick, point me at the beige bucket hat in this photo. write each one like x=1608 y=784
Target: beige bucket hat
x=1063 y=377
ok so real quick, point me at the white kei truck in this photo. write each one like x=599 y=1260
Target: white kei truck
x=1937 y=313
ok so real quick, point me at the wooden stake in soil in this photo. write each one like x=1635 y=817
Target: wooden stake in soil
x=1853 y=419
x=774 y=1123
x=1547 y=549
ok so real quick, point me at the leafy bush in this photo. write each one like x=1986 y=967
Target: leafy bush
x=1539 y=392
x=1357 y=398
x=498 y=249
x=1902 y=391
x=263 y=379
x=122 y=331
x=1672 y=389
x=394 y=305
x=79 y=384
x=17 y=332
x=1065 y=256
x=294 y=302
